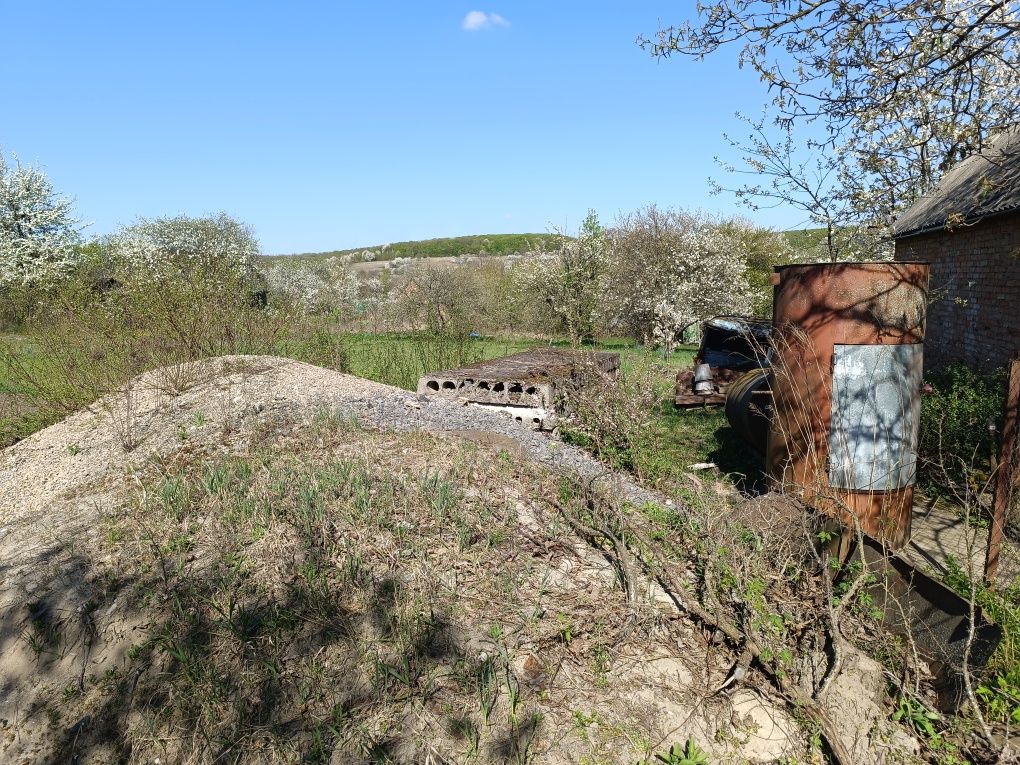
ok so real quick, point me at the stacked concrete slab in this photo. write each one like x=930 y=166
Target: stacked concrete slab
x=525 y=386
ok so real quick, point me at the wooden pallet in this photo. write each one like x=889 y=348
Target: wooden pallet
x=686 y=398
x=691 y=400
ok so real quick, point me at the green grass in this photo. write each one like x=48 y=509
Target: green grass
x=493 y=244
x=19 y=416
x=679 y=438
x=805 y=239
x=490 y=244
x=396 y=358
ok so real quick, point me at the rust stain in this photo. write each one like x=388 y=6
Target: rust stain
x=816 y=307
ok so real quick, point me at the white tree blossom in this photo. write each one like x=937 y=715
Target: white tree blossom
x=326 y=286
x=39 y=238
x=672 y=268
x=901 y=89
x=572 y=280
x=163 y=246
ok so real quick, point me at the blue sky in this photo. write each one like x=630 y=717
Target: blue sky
x=334 y=125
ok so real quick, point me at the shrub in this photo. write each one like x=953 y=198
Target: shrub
x=86 y=342
x=572 y=282
x=671 y=268
x=323 y=349
x=168 y=246
x=319 y=287
x=614 y=415
x=956 y=443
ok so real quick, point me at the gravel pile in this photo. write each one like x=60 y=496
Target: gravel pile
x=57 y=483
x=62 y=488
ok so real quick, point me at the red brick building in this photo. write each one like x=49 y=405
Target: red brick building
x=968 y=228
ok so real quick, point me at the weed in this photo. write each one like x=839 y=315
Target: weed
x=566 y=627
x=688 y=754
x=600 y=666
x=114 y=535
x=487 y=687
x=464 y=728
x=913 y=713
x=175 y=496
x=583 y=720
x=179 y=544
x=43 y=633
x=440 y=495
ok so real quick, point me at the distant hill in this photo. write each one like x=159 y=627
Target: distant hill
x=805 y=238
x=490 y=244
x=493 y=244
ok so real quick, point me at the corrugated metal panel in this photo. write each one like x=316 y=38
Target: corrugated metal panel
x=734 y=342
x=875 y=415
x=981 y=185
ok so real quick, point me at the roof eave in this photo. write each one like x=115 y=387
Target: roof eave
x=973 y=220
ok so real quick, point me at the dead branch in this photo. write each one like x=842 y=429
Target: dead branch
x=646 y=557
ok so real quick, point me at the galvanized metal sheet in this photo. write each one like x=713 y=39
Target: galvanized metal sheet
x=875 y=415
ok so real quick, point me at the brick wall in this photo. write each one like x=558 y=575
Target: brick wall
x=975 y=289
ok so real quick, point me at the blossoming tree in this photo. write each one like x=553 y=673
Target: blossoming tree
x=572 y=281
x=328 y=286
x=871 y=102
x=209 y=245
x=39 y=238
x=671 y=269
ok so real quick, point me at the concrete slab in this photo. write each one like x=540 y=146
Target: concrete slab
x=938 y=533
x=525 y=385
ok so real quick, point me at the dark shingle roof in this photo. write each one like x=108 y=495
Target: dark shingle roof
x=982 y=185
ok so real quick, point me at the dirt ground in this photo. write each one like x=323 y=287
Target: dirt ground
x=474 y=626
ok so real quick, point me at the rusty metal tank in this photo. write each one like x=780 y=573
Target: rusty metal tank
x=846 y=378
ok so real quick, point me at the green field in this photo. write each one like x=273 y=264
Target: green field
x=804 y=239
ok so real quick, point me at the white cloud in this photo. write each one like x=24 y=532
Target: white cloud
x=475 y=21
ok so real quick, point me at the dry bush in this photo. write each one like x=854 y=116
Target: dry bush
x=85 y=344
x=612 y=414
